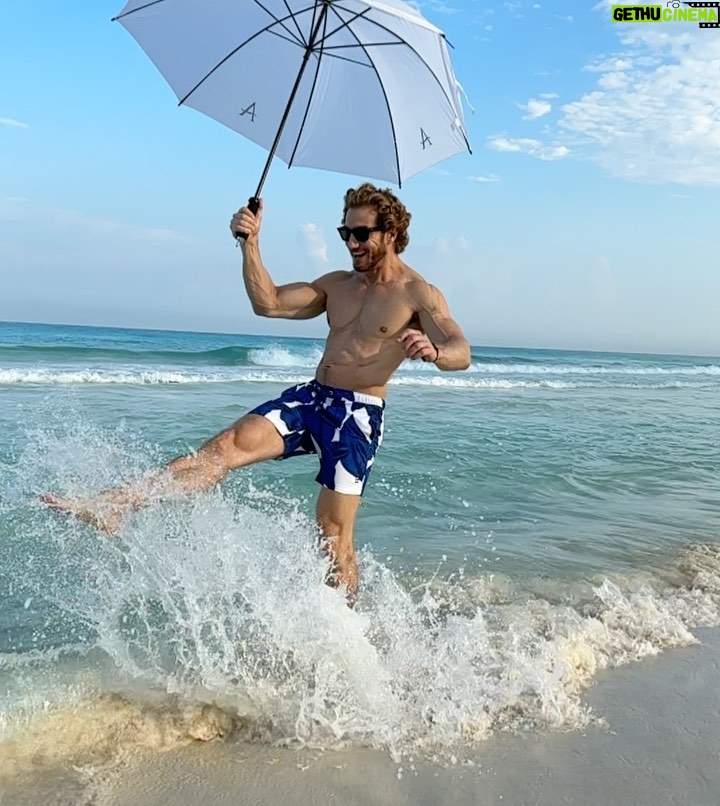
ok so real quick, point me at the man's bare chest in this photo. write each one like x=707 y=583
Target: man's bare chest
x=369 y=312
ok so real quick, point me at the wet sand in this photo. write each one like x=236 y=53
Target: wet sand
x=660 y=744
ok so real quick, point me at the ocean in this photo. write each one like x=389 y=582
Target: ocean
x=529 y=523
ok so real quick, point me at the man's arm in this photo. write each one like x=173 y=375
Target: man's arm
x=441 y=340
x=291 y=301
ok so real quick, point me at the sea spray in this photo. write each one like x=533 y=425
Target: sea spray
x=209 y=616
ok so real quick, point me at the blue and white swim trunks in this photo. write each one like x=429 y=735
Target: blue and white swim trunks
x=344 y=428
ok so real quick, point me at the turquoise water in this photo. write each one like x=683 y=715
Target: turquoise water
x=541 y=516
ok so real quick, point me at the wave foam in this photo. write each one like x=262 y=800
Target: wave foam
x=276 y=355
x=563 y=369
x=138 y=377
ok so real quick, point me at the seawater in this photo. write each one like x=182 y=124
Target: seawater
x=529 y=522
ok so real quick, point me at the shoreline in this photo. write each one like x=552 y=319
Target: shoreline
x=659 y=744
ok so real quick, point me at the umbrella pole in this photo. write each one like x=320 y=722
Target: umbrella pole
x=255 y=200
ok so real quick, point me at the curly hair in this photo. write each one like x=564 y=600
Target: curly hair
x=392 y=215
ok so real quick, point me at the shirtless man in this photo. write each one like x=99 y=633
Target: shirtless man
x=379 y=313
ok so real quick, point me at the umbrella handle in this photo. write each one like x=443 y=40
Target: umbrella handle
x=253 y=205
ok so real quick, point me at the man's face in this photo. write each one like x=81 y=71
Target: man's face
x=368 y=254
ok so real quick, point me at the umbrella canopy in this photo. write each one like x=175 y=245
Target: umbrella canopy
x=356 y=86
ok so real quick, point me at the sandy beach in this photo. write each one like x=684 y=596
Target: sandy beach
x=659 y=744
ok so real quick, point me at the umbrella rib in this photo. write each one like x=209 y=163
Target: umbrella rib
x=346 y=59
x=238 y=48
x=367 y=45
x=382 y=87
x=283 y=37
x=300 y=41
x=139 y=8
x=294 y=19
x=345 y=24
x=312 y=92
x=407 y=44
x=312 y=23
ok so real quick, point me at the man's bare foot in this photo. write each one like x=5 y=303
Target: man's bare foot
x=102 y=516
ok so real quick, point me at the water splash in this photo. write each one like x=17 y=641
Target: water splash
x=209 y=616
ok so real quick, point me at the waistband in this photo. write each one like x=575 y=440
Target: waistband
x=348 y=394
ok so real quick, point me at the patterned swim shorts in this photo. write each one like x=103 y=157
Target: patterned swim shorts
x=344 y=428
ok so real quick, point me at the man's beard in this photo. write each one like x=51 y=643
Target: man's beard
x=370 y=259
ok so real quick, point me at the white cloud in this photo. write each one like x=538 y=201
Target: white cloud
x=436 y=6
x=314 y=243
x=535 y=109
x=526 y=145
x=442 y=8
x=14 y=123
x=451 y=244
x=549 y=95
x=484 y=178
x=514 y=7
x=609 y=65
x=654 y=114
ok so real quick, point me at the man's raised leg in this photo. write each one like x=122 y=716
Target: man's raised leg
x=251 y=439
x=336 y=513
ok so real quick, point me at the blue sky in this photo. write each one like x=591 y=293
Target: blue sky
x=586 y=217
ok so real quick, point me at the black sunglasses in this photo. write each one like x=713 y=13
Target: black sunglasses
x=361 y=234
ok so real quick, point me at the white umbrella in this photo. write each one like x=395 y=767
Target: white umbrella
x=357 y=86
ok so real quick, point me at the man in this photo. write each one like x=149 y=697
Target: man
x=379 y=313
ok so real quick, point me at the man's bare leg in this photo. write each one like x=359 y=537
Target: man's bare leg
x=336 y=513
x=251 y=439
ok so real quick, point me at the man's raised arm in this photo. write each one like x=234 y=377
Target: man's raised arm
x=291 y=301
